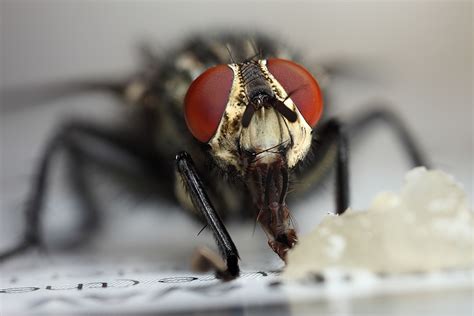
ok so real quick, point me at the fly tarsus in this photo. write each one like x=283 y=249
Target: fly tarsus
x=206 y=259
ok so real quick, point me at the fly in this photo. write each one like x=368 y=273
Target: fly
x=224 y=125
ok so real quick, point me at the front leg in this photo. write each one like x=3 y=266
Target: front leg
x=202 y=203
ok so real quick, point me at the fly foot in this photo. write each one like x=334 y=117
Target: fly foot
x=205 y=259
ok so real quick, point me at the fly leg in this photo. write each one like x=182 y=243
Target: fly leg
x=40 y=95
x=333 y=137
x=370 y=118
x=339 y=133
x=67 y=138
x=202 y=203
x=330 y=147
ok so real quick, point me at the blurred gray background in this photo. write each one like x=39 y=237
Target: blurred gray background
x=417 y=55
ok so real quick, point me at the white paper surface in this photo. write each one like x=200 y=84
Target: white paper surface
x=122 y=287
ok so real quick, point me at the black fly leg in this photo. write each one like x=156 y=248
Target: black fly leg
x=332 y=135
x=368 y=119
x=91 y=215
x=66 y=139
x=202 y=203
x=34 y=203
x=330 y=146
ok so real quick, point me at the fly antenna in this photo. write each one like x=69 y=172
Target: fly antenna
x=280 y=106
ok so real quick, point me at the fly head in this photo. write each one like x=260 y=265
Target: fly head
x=258 y=117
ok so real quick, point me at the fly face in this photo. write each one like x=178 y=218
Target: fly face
x=257 y=117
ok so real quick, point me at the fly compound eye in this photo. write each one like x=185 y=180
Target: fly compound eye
x=301 y=86
x=206 y=100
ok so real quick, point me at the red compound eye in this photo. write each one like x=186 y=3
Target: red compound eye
x=206 y=100
x=302 y=87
